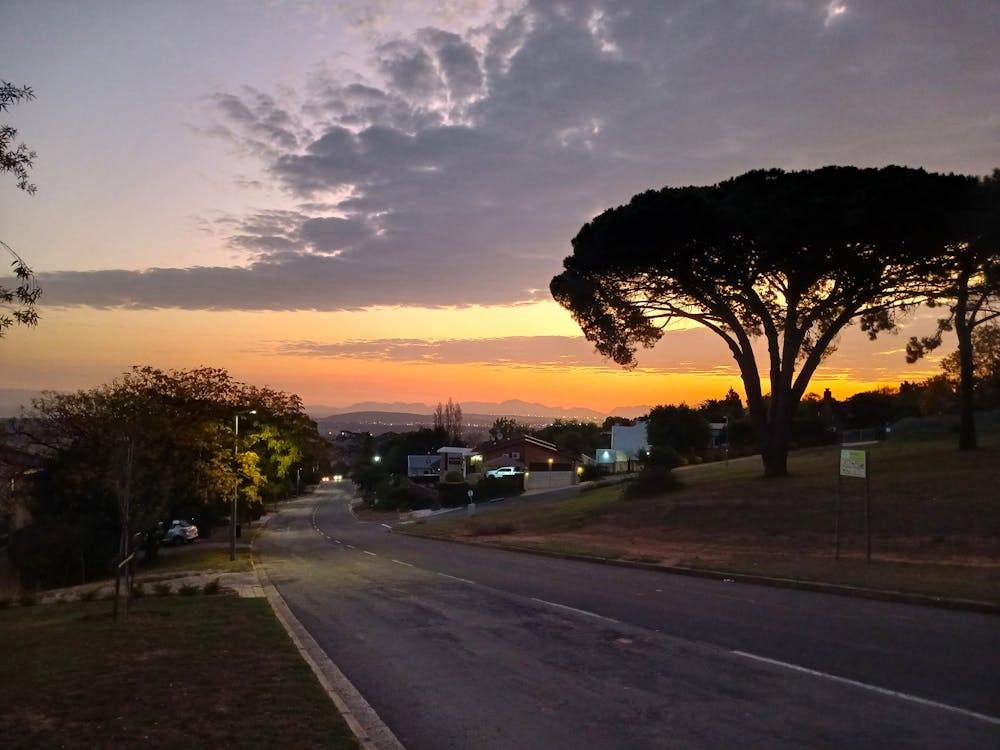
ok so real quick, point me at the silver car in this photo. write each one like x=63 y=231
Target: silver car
x=180 y=532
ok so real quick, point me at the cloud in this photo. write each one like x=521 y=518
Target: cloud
x=456 y=170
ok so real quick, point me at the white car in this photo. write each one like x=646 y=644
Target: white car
x=504 y=471
x=180 y=532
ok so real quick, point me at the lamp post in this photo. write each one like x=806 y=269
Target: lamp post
x=236 y=486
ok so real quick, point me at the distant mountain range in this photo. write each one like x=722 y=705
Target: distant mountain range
x=509 y=408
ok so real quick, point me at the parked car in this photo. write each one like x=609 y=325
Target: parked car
x=180 y=532
x=504 y=471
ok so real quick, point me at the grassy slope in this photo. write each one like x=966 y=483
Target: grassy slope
x=935 y=521
x=192 y=672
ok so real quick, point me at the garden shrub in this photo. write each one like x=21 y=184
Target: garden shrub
x=652 y=480
x=490 y=488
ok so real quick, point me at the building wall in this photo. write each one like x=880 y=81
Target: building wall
x=629 y=440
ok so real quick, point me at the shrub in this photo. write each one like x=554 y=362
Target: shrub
x=162 y=589
x=399 y=493
x=212 y=587
x=453 y=495
x=138 y=591
x=88 y=596
x=490 y=488
x=453 y=477
x=188 y=589
x=664 y=457
x=652 y=480
x=591 y=474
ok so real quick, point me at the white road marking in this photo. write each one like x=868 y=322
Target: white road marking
x=577 y=611
x=369 y=553
x=350 y=546
x=400 y=562
x=456 y=578
x=872 y=688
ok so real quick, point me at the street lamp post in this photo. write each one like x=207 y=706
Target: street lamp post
x=236 y=486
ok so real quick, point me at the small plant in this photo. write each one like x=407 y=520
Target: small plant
x=188 y=589
x=88 y=596
x=138 y=591
x=212 y=588
x=5 y=602
x=162 y=589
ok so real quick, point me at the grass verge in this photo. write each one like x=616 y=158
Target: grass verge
x=192 y=672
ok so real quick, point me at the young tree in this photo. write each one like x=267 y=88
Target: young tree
x=449 y=418
x=788 y=257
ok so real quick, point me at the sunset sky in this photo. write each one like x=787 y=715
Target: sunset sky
x=366 y=200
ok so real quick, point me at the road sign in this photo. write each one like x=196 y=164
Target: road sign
x=853 y=463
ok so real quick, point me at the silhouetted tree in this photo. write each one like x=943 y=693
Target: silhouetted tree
x=17 y=302
x=790 y=257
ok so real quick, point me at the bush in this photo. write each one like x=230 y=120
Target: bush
x=212 y=587
x=188 y=589
x=399 y=493
x=664 y=457
x=591 y=474
x=453 y=477
x=453 y=495
x=490 y=488
x=652 y=480
x=162 y=589
x=27 y=599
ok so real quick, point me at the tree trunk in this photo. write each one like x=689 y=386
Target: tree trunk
x=966 y=387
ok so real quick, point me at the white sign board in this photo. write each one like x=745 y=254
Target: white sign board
x=853 y=463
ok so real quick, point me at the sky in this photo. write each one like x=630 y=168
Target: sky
x=366 y=200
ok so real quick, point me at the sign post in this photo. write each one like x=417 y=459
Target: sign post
x=854 y=463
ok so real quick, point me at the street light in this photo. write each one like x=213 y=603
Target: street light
x=236 y=487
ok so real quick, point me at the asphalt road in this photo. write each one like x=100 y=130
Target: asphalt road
x=465 y=647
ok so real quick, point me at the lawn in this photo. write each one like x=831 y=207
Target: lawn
x=182 y=671
x=935 y=521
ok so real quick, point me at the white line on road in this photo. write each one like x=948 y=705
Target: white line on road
x=400 y=562
x=872 y=688
x=574 y=609
x=350 y=546
x=338 y=541
x=369 y=553
x=456 y=578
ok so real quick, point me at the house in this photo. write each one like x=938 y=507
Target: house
x=544 y=464
x=612 y=461
x=630 y=440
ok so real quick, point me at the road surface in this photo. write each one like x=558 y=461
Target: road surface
x=458 y=646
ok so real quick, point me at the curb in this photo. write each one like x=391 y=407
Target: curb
x=372 y=733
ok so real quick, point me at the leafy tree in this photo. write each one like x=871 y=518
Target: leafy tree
x=17 y=303
x=788 y=257
x=968 y=284
x=507 y=428
x=156 y=443
x=572 y=436
x=678 y=427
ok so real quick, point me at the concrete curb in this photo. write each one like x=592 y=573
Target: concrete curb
x=372 y=733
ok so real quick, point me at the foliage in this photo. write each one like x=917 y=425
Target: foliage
x=967 y=282
x=490 y=488
x=652 y=480
x=394 y=449
x=150 y=445
x=678 y=427
x=399 y=493
x=17 y=303
x=790 y=257
x=507 y=428
x=453 y=494
x=664 y=456
x=449 y=418
x=573 y=436
x=591 y=473
x=17 y=160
